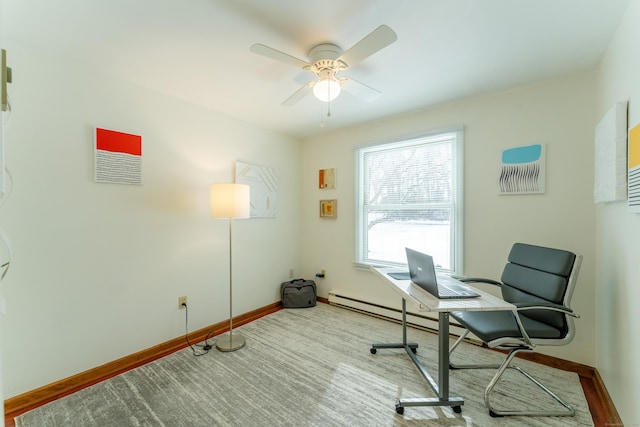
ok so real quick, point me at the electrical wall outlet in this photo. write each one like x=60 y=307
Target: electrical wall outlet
x=182 y=300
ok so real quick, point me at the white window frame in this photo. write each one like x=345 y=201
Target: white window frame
x=457 y=216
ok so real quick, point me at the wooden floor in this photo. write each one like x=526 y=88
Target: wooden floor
x=601 y=406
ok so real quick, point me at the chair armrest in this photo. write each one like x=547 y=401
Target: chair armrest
x=546 y=306
x=480 y=280
x=539 y=306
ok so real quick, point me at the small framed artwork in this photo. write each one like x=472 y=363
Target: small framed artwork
x=328 y=208
x=327 y=178
x=117 y=157
x=522 y=170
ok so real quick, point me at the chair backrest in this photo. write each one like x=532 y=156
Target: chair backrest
x=536 y=275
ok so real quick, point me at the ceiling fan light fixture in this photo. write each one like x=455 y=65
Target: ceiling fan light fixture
x=327 y=88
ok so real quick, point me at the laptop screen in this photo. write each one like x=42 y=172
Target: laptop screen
x=422 y=271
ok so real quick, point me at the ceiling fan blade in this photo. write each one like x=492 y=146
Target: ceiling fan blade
x=298 y=95
x=272 y=53
x=377 y=40
x=360 y=90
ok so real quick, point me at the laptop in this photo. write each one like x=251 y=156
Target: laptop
x=423 y=273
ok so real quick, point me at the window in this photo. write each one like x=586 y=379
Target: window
x=409 y=194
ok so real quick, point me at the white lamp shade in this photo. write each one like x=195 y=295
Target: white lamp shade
x=326 y=89
x=230 y=201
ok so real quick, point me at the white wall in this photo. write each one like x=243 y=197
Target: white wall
x=618 y=234
x=3 y=257
x=557 y=113
x=98 y=268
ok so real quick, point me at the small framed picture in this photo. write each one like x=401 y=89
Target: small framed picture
x=327 y=178
x=328 y=208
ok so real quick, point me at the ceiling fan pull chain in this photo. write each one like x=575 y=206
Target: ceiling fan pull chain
x=329 y=101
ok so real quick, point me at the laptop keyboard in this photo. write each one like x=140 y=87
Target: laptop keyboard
x=455 y=290
x=446 y=291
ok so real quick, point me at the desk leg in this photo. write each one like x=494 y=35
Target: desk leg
x=442 y=387
x=443 y=355
x=404 y=344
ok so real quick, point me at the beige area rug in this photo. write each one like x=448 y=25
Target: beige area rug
x=308 y=367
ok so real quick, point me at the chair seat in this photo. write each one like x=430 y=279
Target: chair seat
x=491 y=325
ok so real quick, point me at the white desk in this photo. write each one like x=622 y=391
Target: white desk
x=424 y=301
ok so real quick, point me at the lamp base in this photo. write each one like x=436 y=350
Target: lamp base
x=231 y=342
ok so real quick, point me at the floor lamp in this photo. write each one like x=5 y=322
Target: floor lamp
x=230 y=201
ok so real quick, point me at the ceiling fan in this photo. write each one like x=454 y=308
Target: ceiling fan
x=327 y=61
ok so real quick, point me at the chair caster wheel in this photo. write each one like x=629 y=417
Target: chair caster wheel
x=373 y=351
x=399 y=409
x=457 y=409
x=493 y=414
x=414 y=350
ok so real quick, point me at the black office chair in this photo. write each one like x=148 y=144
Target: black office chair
x=539 y=281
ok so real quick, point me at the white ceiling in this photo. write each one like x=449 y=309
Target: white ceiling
x=198 y=50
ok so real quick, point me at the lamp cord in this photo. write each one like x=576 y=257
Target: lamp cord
x=205 y=347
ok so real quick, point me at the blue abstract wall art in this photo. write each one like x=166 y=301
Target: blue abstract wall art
x=522 y=170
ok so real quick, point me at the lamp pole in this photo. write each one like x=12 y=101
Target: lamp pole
x=230 y=201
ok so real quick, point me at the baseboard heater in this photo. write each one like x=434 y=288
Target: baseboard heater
x=424 y=321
